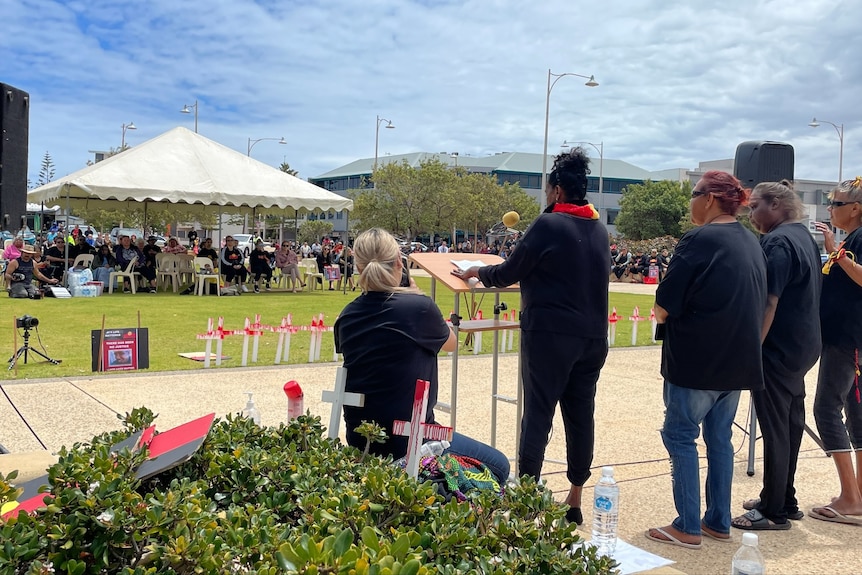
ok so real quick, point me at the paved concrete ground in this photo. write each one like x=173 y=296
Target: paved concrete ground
x=629 y=415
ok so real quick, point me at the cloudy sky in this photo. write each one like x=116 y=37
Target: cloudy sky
x=680 y=82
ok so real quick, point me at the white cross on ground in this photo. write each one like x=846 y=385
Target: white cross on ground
x=417 y=430
x=338 y=398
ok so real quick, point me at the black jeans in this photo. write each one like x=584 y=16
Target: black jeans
x=836 y=391
x=780 y=409
x=562 y=369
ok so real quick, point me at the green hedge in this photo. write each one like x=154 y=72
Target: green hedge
x=278 y=500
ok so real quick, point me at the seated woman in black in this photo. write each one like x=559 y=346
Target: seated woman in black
x=390 y=337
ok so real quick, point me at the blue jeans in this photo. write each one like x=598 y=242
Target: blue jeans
x=685 y=410
x=496 y=461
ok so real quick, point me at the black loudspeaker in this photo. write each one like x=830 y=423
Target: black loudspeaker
x=14 y=136
x=758 y=162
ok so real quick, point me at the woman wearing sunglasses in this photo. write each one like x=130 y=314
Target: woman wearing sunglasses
x=841 y=330
x=287 y=261
x=712 y=301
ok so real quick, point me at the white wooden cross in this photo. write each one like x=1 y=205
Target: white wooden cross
x=417 y=430
x=284 y=330
x=338 y=398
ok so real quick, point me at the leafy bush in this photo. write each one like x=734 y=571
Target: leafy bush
x=277 y=500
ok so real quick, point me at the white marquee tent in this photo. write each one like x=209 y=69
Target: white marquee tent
x=181 y=167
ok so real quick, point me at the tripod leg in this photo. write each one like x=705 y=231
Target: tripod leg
x=14 y=359
x=816 y=439
x=39 y=353
x=752 y=438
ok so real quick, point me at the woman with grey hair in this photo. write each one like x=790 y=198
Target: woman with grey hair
x=838 y=380
x=791 y=346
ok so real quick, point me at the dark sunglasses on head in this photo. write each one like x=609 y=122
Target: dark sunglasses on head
x=834 y=204
x=696 y=193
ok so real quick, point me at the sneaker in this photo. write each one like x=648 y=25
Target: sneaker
x=244 y=289
x=126 y=290
x=268 y=288
x=152 y=290
x=256 y=289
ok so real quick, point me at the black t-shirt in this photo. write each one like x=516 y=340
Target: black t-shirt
x=260 y=261
x=388 y=342
x=208 y=253
x=56 y=252
x=793 y=274
x=715 y=294
x=562 y=265
x=150 y=251
x=841 y=301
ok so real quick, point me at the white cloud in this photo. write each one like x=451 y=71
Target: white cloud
x=679 y=82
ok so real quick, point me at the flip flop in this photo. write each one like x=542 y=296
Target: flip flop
x=754 y=503
x=836 y=517
x=757 y=522
x=671 y=540
x=713 y=534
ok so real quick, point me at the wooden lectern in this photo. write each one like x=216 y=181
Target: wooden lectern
x=439 y=267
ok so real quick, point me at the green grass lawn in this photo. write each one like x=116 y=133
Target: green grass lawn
x=174 y=321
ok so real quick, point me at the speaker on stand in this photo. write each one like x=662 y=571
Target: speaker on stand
x=14 y=134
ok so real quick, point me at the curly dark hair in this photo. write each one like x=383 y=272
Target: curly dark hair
x=570 y=173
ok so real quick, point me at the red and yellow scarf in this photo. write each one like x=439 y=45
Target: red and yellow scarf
x=588 y=211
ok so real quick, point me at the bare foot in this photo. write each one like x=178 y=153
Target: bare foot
x=842 y=506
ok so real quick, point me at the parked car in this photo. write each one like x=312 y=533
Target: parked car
x=117 y=232
x=245 y=243
x=410 y=247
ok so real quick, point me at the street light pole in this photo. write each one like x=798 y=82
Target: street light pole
x=591 y=82
x=601 y=150
x=252 y=143
x=186 y=110
x=377 y=139
x=814 y=123
x=129 y=126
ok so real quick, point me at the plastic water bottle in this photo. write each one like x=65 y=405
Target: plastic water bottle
x=250 y=410
x=433 y=448
x=748 y=560
x=606 y=513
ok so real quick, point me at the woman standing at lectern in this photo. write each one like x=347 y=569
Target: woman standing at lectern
x=562 y=265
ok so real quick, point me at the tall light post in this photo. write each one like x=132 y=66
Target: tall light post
x=129 y=126
x=600 y=148
x=377 y=139
x=186 y=110
x=815 y=123
x=591 y=82
x=252 y=143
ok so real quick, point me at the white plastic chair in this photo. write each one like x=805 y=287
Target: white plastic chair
x=308 y=270
x=168 y=270
x=201 y=279
x=129 y=273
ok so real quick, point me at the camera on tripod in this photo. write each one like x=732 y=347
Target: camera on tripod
x=26 y=322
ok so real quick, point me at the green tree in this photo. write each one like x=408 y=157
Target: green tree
x=285 y=167
x=653 y=209
x=312 y=231
x=434 y=198
x=46 y=171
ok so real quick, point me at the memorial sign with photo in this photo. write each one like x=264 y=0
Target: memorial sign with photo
x=123 y=349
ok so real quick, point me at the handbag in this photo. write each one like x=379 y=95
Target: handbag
x=332 y=273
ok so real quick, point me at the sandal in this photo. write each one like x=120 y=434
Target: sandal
x=713 y=534
x=795 y=515
x=755 y=521
x=835 y=517
x=668 y=538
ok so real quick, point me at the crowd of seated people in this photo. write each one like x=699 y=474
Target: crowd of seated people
x=634 y=268
x=55 y=253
